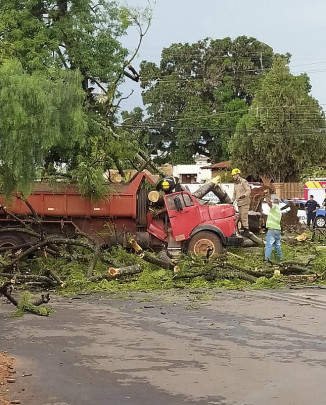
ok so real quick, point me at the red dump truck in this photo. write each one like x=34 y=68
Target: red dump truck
x=184 y=225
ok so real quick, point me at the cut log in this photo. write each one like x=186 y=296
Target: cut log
x=156 y=198
x=13 y=216
x=135 y=246
x=117 y=272
x=168 y=265
x=153 y=196
x=164 y=264
x=125 y=271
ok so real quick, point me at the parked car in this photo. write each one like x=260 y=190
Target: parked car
x=300 y=204
x=320 y=221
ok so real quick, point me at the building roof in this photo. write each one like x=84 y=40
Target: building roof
x=220 y=165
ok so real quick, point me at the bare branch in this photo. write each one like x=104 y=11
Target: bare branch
x=98 y=83
x=122 y=98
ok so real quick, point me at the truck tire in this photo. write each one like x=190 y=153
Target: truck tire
x=142 y=207
x=9 y=240
x=204 y=240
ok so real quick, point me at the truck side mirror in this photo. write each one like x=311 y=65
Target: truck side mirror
x=178 y=204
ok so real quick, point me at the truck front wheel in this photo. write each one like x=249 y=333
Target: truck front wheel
x=205 y=243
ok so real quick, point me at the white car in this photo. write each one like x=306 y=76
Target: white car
x=299 y=203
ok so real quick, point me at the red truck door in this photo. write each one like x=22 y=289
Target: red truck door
x=184 y=214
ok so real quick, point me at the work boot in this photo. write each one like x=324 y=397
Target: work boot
x=246 y=232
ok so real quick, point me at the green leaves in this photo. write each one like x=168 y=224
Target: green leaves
x=284 y=131
x=90 y=180
x=199 y=92
x=36 y=114
x=50 y=114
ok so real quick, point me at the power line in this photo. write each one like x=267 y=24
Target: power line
x=309 y=131
x=200 y=78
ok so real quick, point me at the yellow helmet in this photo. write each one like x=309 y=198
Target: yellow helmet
x=165 y=185
x=236 y=171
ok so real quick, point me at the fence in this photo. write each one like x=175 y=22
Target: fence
x=289 y=190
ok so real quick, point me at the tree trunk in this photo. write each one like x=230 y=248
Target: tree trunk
x=216 y=189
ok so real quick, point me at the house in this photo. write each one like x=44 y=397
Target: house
x=193 y=174
x=218 y=168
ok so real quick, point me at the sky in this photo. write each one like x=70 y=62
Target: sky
x=294 y=26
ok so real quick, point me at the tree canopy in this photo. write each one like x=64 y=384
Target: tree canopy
x=69 y=51
x=197 y=94
x=284 y=130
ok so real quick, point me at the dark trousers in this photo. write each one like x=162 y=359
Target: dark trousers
x=311 y=218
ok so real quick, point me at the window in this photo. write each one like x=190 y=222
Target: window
x=188 y=178
x=185 y=199
x=188 y=201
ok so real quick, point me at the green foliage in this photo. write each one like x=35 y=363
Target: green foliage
x=273 y=282
x=138 y=136
x=26 y=306
x=312 y=172
x=49 y=114
x=198 y=93
x=36 y=113
x=90 y=181
x=76 y=34
x=284 y=131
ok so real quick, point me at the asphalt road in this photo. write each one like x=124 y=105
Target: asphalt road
x=172 y=348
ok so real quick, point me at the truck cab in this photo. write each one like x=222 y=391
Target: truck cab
x=194 y=228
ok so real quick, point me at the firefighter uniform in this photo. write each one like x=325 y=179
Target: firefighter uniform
x=241 y=195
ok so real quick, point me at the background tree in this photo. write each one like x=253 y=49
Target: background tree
x=199 y=92
x=284 y=131
x=51 y=37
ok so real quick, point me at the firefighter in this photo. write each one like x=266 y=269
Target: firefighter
x=241 y=195
x=169 y=185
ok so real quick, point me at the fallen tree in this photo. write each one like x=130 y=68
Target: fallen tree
x=103 y=268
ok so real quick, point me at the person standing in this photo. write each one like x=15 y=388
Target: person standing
x=273 y=225
x=311 y=209
x=241 y=195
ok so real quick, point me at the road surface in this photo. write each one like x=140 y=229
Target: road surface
x=171 y=348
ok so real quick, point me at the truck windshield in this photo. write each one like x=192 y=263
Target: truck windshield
x=185 y=200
